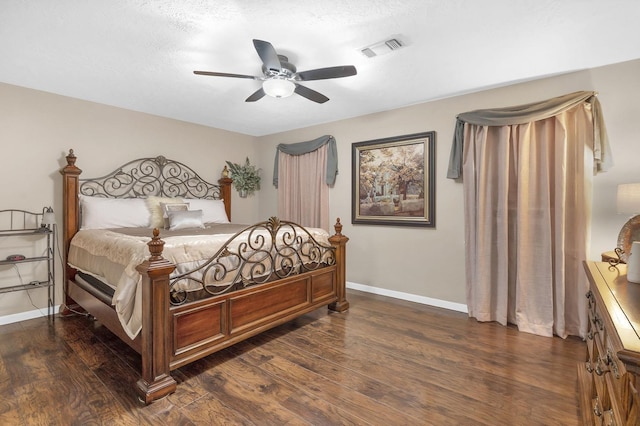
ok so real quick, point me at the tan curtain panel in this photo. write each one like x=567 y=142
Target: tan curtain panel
x=302 y=180
x=531 y=112
x=527 y=201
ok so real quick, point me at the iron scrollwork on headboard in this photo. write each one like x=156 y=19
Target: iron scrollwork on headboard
x=150 y=176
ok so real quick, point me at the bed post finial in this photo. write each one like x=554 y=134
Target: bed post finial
x=156 y=245
x=338 y=227
x=71 y=158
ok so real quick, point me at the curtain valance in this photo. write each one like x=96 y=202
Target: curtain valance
x=310 y=146
x=526 y=113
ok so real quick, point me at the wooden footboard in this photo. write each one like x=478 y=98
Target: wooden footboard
x=212 y=324
x=173 y=336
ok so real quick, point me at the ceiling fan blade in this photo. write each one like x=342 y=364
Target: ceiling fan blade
x=258 y=94
x=325 y=73
x=224 y=74
x=268 y=55
x=310 y=94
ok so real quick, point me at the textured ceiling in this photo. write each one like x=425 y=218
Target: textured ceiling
x=140 y=54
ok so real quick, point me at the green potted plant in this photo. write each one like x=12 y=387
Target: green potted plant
x=246 y=177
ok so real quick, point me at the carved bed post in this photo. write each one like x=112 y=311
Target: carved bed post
x=156 y=380
x=339 y=241
x=225 y=193
x=71 y=211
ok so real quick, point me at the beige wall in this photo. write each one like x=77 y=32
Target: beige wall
x=429 y=262
x=37 y=129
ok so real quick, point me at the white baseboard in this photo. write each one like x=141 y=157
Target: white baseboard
x=23 y=316
x=409 y=297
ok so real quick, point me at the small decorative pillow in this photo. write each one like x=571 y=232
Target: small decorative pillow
x=172 y=207
x=103 y=213
x=185 y=219
x=212 y=210
x=155 y=210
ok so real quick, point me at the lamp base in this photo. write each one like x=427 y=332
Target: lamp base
x=633 y=264
x=629 y=233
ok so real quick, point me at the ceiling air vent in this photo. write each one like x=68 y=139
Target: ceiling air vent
x=382 y=47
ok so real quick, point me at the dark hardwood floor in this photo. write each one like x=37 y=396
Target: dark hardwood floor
x=385 y=362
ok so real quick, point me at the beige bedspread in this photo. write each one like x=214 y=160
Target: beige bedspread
x=112 y=256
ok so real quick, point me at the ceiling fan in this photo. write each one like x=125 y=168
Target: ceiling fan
x=281 y=78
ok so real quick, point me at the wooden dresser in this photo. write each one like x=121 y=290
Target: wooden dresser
x=608 y=380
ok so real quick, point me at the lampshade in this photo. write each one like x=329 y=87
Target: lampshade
x=628 y=198
x=48 y=217
x=278 y=87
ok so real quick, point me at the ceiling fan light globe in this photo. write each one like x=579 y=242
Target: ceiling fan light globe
x=278 y=87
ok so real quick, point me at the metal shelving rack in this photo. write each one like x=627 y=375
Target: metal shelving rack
x=21 y=223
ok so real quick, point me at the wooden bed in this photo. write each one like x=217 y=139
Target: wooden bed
x=175 y=334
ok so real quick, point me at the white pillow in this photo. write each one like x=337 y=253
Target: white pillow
x=155 y=210
x=172 y=207
x=185 y=219
x=102 y=213
x=212 y=210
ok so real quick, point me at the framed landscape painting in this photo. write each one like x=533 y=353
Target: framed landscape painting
x=394 y=181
